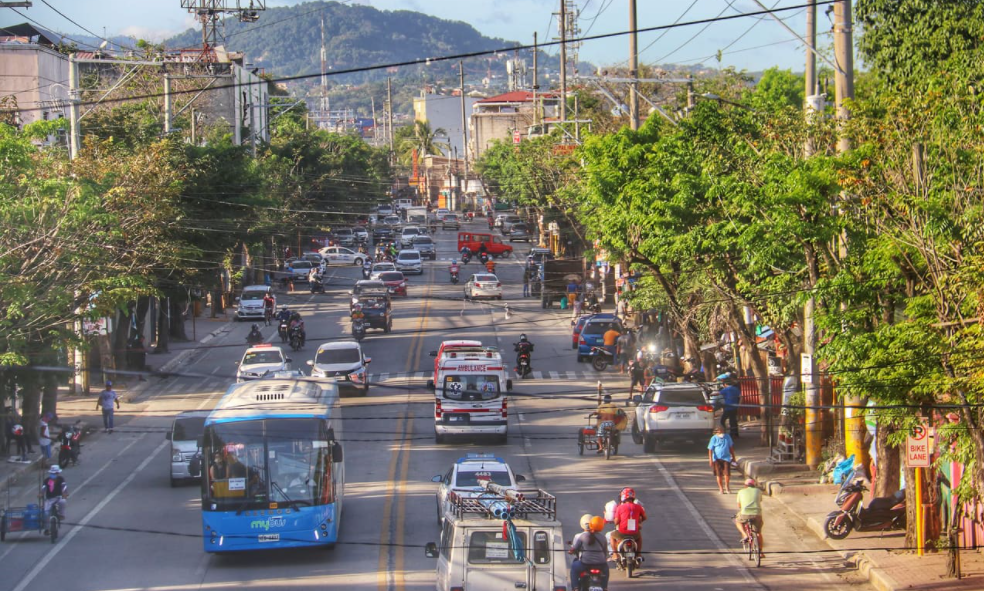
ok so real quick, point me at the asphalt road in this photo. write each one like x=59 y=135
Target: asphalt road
x=129 y=530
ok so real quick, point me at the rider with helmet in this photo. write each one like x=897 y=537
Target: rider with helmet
x=284 y=314
x=55 y=491
x=628 y=519
x=254 y=337
x=357 y=313
x=453 y=268
x=589 y=549
x=523 y=346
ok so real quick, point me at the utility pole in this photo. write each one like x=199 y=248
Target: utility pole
x=536 y=82
x=854 y=428
x=193 y=134
x=73 y=107
x=464 y=128
x=691 y=99
x=808 y=365
x=633 y=67
x=563 y=61
x=389 y=117
x=167 y=104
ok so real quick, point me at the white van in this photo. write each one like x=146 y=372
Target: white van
x=469 y=397
x=251 y=301
x=473 y=553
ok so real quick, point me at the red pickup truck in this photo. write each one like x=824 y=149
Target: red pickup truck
x=493 y=244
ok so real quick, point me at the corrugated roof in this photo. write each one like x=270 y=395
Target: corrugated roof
x=516 y=96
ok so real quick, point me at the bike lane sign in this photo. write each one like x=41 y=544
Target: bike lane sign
x=917 y=454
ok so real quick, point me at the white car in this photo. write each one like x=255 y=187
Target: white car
x=410 y=261
x=442 y=211
x=483 y=285
x=381 y=267
x=672 y=411
x=361 y=234
x=339 y=255
x=344 y=362
x=465 y=475
x=260 y=361
x=407 y=236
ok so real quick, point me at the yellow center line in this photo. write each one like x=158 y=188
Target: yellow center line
x=397 y=482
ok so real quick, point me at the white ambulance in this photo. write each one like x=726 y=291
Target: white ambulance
x=470 y=395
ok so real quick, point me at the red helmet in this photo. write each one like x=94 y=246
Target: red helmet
x=627 y=493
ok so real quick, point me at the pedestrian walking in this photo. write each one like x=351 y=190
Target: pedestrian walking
x=622 y=352
x=526 y=282
x=637 y=374
x=108 y=398
x=731 y=398
x=720 y=453
x=44 y=439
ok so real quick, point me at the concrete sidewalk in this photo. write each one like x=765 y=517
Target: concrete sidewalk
x=879 y=556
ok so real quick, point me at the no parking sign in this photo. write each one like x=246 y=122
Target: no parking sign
x=917 y=448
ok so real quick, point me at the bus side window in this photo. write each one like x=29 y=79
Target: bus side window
x=541 y=548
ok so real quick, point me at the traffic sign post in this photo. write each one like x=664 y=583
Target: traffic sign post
x=917 y=448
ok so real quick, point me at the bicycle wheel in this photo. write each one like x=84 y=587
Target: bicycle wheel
x=53 y=528
x=756 y=551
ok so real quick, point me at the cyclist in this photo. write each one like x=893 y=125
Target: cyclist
x=55 y=491
x=268 y=304
x=628 y=519
x=607 y=411
x=750 y=511
x=589 y=550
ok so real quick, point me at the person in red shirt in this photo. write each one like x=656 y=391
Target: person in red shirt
x=628 y=519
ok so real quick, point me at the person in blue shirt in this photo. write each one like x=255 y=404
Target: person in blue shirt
x=720 y=452
x=731 y=398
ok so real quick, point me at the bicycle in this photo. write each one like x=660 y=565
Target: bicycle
x=751 y=542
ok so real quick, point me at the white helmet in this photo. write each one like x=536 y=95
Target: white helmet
x=586 y=521
x=55 y=470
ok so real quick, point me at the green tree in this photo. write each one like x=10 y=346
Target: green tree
x=422 y=138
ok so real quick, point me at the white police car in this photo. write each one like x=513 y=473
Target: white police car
x=260 y=361
x=464 y=478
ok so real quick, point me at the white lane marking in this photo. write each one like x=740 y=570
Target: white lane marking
x=216 y=369
x=77 y=488
x=85 y=520
x=724 y=550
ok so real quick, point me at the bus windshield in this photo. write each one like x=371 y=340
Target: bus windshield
x=471 y=388
x=255 y=463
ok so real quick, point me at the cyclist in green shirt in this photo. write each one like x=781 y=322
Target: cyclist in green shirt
x=750 y=510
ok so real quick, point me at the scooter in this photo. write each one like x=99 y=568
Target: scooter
x=627 y=556
x=454 y=274
x=882 y=514
x=296 y=341
x=254 y=338
x=358 y=329
x=590 y=579
x=465 y=257
x=366 y=270
x=71 y=446
x=601 y=358
x=523 y=365
x=483 y=257
x=317 y=286
x=282 y=331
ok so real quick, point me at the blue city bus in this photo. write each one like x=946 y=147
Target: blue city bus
x=272 y=471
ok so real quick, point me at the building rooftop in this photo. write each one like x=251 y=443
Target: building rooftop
x=516 y=96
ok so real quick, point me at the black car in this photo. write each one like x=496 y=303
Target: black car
x=382 y=234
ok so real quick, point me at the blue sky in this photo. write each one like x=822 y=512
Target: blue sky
x=752 y=43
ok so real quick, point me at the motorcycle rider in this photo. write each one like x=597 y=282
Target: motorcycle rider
x=55 y=491
x=465 y=254
x=523 y=347
x=628 y=519
x=490 y=266
x=366 y=268
x=453 y=269
x=254 y=337
x=750 y=511
x=296 y=322
x=589 y=550
x=607 y=411
x=357 y=313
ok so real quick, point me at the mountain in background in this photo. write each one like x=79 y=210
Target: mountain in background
x=286 y=41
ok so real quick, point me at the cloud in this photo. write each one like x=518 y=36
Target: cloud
x=147 y=33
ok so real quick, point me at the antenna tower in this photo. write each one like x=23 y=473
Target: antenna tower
x=573 y=14
x=210 y=12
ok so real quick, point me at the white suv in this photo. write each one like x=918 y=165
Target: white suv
x=673 y=411
x=407 y=236
x=409 y=261
x=464 y=476
x=344 y=362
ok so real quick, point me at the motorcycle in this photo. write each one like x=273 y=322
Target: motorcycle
x=454 y=274
x=591 y=579
x=523 y=365
x=358 y=328
x=317 y=286
x=71 y=446
x=483 y=257
x=282 y=331
x=254 y=338
x=366 y=270
x=881 y=514
x=296 y=340
x=627 y=557
x=601 y=358
x=465 y=257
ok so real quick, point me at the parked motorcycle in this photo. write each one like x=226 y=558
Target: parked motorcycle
x=881 y=514
x=601 y=358
x=71 y=445
x=359 y=329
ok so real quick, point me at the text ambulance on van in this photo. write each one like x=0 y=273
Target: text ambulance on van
x=470 y=395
